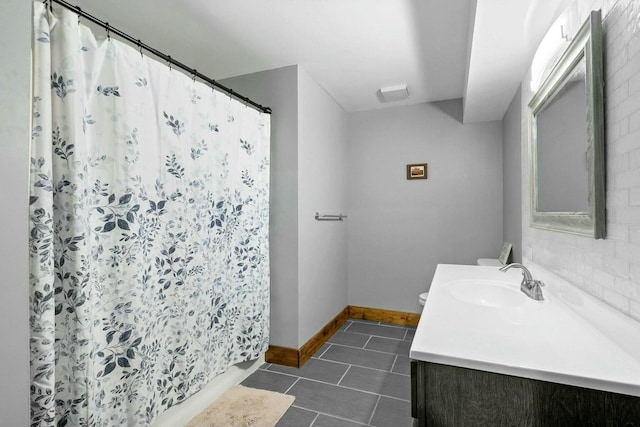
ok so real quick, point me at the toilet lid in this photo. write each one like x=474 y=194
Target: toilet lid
x=490 y=262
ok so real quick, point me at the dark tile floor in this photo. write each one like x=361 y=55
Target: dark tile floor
x=360 y=377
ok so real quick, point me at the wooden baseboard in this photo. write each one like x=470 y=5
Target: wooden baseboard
x=298 y=357
x=386 y=316
x=283 y=356
x=316 y=341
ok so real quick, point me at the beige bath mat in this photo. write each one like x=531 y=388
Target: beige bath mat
x=244 y=407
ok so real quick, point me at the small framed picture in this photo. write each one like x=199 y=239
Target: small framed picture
x=417 y=171
x=505 y=253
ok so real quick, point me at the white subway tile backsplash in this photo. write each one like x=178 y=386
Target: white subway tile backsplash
x=634 y=272
x=635 y=310
x=618 y=95
x=604 y=279
x=634 y=85
x=593 y=259
x=634 y=119
x=624 y=126
x=629 y=215
x=614 y=132
x=627 y=143
x=616 y=266
x=620 y=302
x=634 y=236
x=606 y=247
x=634 y=90
x=634 y=160
x=616 y=78
x=619 y=163
x=634 y=47
x=628 y=178
x=612 y=68
x=627 y=288
x=617 y=231
x=584 y=269
x=628 y=251
x=618 y=198
x=594 y=289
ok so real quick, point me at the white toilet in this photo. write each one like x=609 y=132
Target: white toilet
x=488 y=262
x=422 y=298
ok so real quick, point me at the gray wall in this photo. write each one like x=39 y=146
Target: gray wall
x=608 y=269
x=15 y=108
x=278 y=89
x=400 y=230
x=322 y=187
x=512 y=177
x=308 y=174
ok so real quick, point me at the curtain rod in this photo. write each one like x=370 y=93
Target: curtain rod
x=192 y=71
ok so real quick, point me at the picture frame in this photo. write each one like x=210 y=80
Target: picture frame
x=417 y=171
x=505 y=253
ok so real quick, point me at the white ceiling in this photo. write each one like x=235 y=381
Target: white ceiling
x=442 y=49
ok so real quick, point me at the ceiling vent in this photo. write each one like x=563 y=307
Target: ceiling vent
x=393 y=93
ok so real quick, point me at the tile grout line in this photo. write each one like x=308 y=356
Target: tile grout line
x=337 y=384
x=314 y=419
x=325 y=350
x=345 y=373
x=291 y=386
x=378 y=336
x=347 y=328
x=365 y=344
x=347 y=388
x=383 y=324
x=396 y=340
x=337 y=417
x=374 y=409
x=353 y=364
x=366 y=349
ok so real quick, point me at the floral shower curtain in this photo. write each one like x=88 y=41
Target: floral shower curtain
x=148 y=234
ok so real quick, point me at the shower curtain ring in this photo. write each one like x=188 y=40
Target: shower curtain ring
x=169 y=61
x=79 y=13
x=230 y=94
x=108 y=31
x=194 y=72
x=140 y=48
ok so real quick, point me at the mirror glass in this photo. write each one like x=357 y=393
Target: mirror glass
x=567 y=140
x=562 y=147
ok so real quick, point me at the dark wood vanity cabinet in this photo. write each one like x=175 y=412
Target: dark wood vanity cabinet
x=443 y=395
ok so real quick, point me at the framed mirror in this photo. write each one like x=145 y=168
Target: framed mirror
x=566 y=141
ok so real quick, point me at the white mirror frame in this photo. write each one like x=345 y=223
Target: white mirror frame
x=586 y=44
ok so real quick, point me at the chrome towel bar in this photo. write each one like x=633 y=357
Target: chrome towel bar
x=326 y=217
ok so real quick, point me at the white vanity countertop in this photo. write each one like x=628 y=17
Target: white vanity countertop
x=569 y=338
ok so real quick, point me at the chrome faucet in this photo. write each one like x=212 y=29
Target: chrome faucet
x=529 y=286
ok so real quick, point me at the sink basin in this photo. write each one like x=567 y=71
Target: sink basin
x=487 y=293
